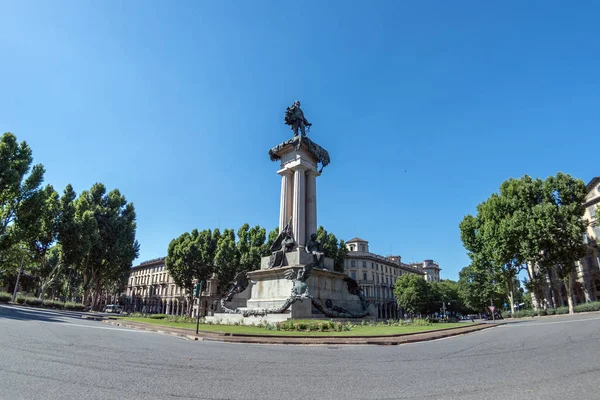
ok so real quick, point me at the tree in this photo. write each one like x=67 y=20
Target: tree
x=446 y=292
x=530 y=222
x=251 y=242
x=413 y=293
x=227 y=258
x=37 y=225
x=16 y=187
x=97 y=237
x=333 y=249
x=477 y=288
x=564 y=228
x=191 y=256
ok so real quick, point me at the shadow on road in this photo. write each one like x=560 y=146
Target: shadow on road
x=32 y=314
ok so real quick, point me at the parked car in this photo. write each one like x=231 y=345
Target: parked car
x=113 y=309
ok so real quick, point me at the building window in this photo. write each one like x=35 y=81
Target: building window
x=364 y=276
x=372 y=265
x=353 y=263
x=596 y=230
x=353 y=275
x=363 y=248
x=364 y=264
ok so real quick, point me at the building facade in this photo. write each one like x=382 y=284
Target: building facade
x=588 y=268
x=430 y=268
x=150 y=289
x=376 y=275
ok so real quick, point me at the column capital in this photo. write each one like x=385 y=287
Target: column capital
x=313 y=172
x=300 y=167
x=285 y=172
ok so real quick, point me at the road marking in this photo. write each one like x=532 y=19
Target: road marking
x=548 y=323
x=94 y=327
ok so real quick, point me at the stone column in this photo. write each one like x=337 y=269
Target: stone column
x=299 y=208
x=286 y=197
x=311 y=202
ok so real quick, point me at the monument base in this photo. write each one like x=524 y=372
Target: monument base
x=296 y=257
x=271 y=289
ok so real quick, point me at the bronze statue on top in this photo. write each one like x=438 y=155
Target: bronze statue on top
x=294 y=117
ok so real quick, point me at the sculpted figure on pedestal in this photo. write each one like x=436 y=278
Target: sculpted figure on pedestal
x=313 y=246
x=284 y=243
x=294 y=117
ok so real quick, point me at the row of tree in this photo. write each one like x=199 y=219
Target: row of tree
x=531 y=224
x=199 y=254
x=80 y=247
x=417 y=296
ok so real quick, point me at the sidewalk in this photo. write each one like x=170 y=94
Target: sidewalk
x=313 y=340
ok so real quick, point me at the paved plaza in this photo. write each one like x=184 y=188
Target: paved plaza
x=57 y=355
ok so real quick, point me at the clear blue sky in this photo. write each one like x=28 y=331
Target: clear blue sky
x=425 y=108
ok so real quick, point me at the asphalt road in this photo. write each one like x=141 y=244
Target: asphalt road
x=53 y=355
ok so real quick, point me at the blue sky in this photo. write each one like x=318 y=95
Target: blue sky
x=424 y=108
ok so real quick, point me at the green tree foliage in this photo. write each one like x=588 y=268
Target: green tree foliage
x=564 y=228
x=530 y=222
x=227 y=259
x=413 y=294
x=447 y=292
x=16 y=186
x=191 y=256
x=477 y=289
x=97 y=237
x=334 y=249
x=251 y=242
x=266 y=251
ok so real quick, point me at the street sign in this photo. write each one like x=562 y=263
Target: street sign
x=492 y=308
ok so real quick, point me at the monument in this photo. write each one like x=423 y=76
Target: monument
x=296 y=280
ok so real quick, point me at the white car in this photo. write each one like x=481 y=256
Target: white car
x=113 y=309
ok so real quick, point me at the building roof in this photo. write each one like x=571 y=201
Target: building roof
x=357 y=239
x=593 y=182
x=147 y=263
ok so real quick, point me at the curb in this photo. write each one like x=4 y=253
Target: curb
x=388 y=340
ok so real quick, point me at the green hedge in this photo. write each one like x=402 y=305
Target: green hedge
x=69 y=305
x=5 y=297
x=53 y=304
x=33 y=301
x=158 y=316
x=585 y=307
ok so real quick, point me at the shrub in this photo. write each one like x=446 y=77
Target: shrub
x=5 y=297
x=69 y=305
x=136 y=314
x=562 y=310
x=20 y=299
x=32 y=301
x=551 y=311
x=586 y=307
x=158 y=316
x=180 y=320
x=53 y=304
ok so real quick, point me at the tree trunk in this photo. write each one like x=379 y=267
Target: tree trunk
x=511 y=295
x=569 y=287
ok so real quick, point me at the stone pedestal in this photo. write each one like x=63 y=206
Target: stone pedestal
x=299 y=158
x=296 y=257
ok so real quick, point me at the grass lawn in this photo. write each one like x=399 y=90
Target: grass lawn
x=356 y=331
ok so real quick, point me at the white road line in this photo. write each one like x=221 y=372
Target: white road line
x=95 y=327
x=547 y=323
